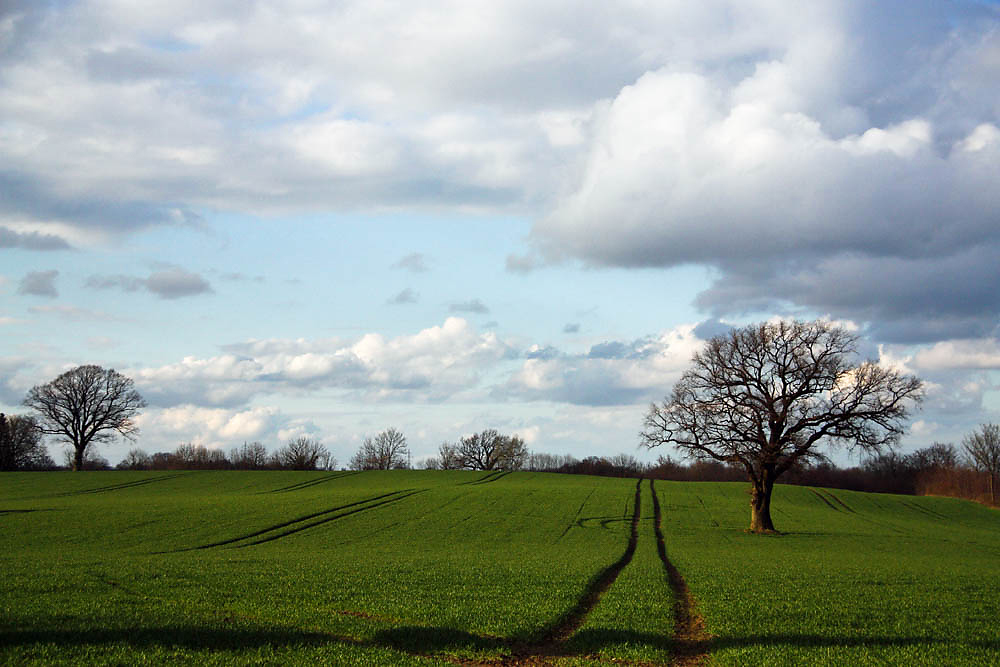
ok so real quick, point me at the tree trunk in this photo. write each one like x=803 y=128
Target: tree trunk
x=78 y=458
x=993 y=495
x=760 y=504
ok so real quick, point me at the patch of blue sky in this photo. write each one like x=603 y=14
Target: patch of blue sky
x=330 y=275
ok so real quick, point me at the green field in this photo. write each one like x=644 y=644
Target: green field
x=428 y=567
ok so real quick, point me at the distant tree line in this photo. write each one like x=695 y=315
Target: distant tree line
x=970 y=471
x=90 y=404
x=298 y=454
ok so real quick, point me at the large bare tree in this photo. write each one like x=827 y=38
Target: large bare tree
x=982 y=448
x=85 y=405
x=767 y=396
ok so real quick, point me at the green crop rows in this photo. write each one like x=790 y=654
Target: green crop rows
x=415 y=567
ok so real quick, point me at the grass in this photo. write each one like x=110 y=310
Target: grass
x=857 y=578
x=426 y=567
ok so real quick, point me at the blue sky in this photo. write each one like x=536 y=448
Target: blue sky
x=327 y=219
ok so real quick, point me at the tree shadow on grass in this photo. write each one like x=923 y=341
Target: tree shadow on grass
x=430 y=641
x=425 y=640
x=179 y=636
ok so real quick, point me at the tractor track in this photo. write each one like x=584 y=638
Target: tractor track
x=840 y=502
x=297 y=524
x=550 y=645
x=561 y=630
x=825 y=500
x=312 y=482
x=923 y=510
x=690 y=637
x=492 y=477
x=335 y=517
x=117 y=487
x=579 y=511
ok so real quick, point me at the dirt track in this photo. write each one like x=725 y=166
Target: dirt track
x=690 y=639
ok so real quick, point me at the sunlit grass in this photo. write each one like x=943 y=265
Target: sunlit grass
x=414 y=567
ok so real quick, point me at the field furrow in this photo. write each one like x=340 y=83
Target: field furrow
x=305 y=485
x=298 y=523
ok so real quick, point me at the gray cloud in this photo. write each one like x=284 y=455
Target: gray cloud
x=905 y=300
x=124 y=283
x=39 y=196
x=523 y=263
x=783 y=219
x=711 y=328
x=572 y=327
x=721 y=133
x=12 y=385
x=73 y=313
x=241 y=278
x=39 y=283
x=547 y=352
x=31 y=240
x=414 y=262
x=473 y=306
x=170 y=283
x=404 y=297
x=176 y=283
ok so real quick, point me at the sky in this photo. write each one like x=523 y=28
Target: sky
x=330 y=218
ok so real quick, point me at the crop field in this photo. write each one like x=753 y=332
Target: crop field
x=437 y=568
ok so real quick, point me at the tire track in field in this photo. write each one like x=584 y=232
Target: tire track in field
x=550 y=647
x=300 y=528
x=830 y=499
x=492 y=477
x=825 y=500
x=923 y=510
x=840 y=502
x=556 y=635
x=118 y=487
x=579 y=511
x=312 y=482
x=690 y=637
x=482 y=479
x=298 y=521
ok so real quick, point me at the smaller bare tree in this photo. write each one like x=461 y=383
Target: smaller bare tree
x=21 y=446
x=85 y=405
x=92 y=460
x=982 y=448
x=304 y=454
x=136 y=459
x=386 y=451
x=249 y=456
x=449 y=457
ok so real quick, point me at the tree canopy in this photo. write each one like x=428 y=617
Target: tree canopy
x=85 y=405
x=765 y=396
